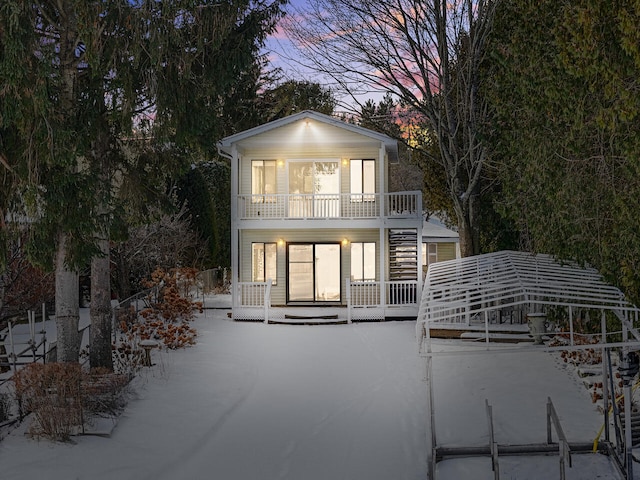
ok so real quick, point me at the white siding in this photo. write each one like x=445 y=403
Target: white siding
x=278 y=292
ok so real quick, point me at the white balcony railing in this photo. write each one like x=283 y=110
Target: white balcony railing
x=322 y=206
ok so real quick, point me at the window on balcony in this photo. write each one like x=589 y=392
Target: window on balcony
x=314 y=189
x=263 y=181
x=363 y=261
x=263 y=262
x=363 y=180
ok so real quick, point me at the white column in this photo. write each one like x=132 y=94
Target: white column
x=235 y=256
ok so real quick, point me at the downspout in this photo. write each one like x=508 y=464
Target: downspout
x=235 y=257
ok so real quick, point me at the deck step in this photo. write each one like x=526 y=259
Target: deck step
x=497 y=337
x=311 y=317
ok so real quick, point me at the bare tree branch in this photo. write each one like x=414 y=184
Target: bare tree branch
x=425 y=52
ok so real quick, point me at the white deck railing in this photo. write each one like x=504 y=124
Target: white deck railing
x=319 y=206
x=254 y=298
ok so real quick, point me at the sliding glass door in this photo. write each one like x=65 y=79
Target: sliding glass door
x=313 y=272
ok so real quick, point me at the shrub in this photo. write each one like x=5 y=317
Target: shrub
x=62 y=397
x=52 y=392
x=166 y=319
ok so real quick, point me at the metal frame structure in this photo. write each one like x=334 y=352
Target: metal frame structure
x=471 y=293
x=474 y=290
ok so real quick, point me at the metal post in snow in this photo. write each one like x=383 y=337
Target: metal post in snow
x=486 y=328
x=571 y=324
x=431 y=430
x=467 y=310
x=628 y=448
x=605 y=376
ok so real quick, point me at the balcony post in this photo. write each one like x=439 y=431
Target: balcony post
x=384 y=261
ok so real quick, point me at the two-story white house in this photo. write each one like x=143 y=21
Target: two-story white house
x=314 y=231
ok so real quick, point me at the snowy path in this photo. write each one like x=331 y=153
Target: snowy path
x=331 y=402
x=256 y=401
x=517 y=386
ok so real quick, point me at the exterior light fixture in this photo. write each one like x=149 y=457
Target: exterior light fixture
x=345 y=242
x=280 y=242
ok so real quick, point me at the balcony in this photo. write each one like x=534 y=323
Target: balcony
x=328 y=206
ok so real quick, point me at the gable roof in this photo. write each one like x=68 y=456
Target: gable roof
x=391 y=145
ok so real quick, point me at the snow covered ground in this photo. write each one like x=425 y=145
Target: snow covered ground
x=254 y=401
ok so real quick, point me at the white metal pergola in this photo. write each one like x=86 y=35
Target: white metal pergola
x=473 y=292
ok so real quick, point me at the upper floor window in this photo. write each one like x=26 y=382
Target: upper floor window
x=363 y=180
x=263 y=181
x=314 y=189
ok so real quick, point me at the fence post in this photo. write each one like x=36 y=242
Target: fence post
x=31 y=317
x=13 y=353
x=267 y=300
x=348 y=294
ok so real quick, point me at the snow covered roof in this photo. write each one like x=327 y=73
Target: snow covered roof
x=433 y=230
x=456 y=291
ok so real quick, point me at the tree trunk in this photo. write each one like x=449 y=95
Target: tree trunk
x=123 y=272
x=100 y=335
x=67 y=306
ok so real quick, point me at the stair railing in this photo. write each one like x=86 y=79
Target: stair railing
x=565 y=451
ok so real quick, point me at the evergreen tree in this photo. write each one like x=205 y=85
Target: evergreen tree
x=565 y=129
x=89 y=86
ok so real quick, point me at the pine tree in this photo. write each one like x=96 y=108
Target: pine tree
x=96 y=90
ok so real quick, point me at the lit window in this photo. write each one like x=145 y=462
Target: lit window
x=263 y=181
x=263 y=262
x=363 y=180
x=363 y=261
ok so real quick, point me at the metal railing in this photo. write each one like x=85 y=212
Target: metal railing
x=563 y=444
x=493 y=445
x=20 y=346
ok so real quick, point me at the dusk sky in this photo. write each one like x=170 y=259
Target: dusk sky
x=282 y=54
